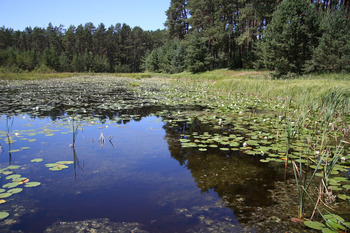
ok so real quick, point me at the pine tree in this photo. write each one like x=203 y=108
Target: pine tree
x=152 y=61
x=289 y=39
x=197 y=59
x=333 y=51
x=177 y=15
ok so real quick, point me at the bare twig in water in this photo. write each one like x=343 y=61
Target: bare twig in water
x=101 y=140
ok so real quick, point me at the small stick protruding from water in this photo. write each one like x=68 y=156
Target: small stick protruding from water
x=102 y=139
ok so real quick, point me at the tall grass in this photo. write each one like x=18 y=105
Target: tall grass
x=316 y=91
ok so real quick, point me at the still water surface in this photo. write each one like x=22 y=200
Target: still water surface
x=139 y=174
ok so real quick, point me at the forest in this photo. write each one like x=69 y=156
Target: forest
x=288 y=37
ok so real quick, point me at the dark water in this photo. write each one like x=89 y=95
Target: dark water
x=141 y=175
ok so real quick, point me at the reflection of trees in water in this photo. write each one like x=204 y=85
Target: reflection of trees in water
x=241 y=180
x=54 y=99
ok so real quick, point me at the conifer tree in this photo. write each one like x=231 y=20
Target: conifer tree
x=333 y=51
x=289 y=39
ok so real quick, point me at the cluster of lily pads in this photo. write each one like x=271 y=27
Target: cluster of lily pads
x=58 y=166
x=14 y=185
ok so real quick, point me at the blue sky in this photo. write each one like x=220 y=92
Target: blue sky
x=19 y=14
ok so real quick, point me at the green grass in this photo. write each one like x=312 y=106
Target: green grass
x=315 y=89
x=34 y=76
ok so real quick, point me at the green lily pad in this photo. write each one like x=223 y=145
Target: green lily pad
x=32 y=184
x=65 y=162
x=10 y=185
x=55 y=169
x=5 y=195
x=224 y=149
x=15 y=190
x=335 y=188
x=14 y=151
x=315 y=225
x=13 y=167
x=36 y=160
x=339 y=178
x=13 y=176
x=51 y=165
x=19 y=179
x=2 y=190
x=3 y=215
x=7 y=172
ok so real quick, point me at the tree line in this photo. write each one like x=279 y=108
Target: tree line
x=288 y=36
x=87 y=48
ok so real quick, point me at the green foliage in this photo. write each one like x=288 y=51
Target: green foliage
x=177 y=19
x=197 y=54
x=169 y=58
x=290 y=37
x=78 y=49
x=50 y=58
x=152 y=62
x=333 y=51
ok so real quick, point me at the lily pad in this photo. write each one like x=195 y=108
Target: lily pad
x=13 y=167
x=5 y=195
x=3 y=215
x=55 y=168
x=13 y=176
x=32 y=184
x=65 y=162
x=14 y=151
x=36 y=160
x=7 y=172
x=10 y=185
x=15 y=190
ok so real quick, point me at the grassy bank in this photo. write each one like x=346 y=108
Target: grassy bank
x=315 y=89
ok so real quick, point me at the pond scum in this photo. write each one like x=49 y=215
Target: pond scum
x=309 y=135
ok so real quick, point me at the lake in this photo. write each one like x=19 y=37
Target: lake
x=126 y=155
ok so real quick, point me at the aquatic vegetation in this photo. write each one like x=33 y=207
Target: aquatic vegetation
x=38 y=160
x=58 y=166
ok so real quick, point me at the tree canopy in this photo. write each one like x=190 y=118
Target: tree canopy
x=287 y=36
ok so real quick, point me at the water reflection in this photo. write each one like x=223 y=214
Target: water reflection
x=240 y=180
